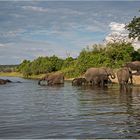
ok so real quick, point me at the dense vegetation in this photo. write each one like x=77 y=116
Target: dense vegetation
x=112 y=55
x=134 y=28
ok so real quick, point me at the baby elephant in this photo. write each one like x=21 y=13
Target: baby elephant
x=79 y=81
x=123 y=75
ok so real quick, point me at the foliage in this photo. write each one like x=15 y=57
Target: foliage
x=24 y=68
x=71 y=72
x=134 y=28
x=119 y=53
x=136 y=55
x=40 y=65
x=112 y=55
x=90 y=58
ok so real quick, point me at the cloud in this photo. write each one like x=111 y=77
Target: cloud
x=69 y=11
x=118 y=33
x=2 y=45
x=136 y=44
x=12 y=33
x=36 y=9
x=117 y=27
x=31 y=50
x=67 y=26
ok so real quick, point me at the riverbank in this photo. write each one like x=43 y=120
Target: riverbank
x=11 y=74
x=34 y=77
x=136 y=79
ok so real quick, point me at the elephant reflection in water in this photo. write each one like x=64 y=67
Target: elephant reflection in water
x=99 y=76
x=129 y=100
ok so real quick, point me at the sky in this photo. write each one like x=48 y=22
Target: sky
x=29 y=29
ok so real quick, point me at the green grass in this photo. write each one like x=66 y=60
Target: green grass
x=36 y=76
x=11 y=74
x=17 y=74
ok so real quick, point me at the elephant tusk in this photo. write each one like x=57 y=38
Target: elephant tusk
x=113 y=76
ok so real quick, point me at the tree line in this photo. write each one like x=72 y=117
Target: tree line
x=112 y=55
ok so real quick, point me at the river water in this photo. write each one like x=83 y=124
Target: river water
x=28 y=110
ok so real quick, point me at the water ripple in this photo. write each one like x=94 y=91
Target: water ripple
x=28 y=110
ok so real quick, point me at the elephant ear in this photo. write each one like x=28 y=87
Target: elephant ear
x=108 y=71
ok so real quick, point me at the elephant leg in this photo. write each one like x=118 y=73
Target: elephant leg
x=131 y=80
x=73 y=82
x=84 y=82
x=96 y=81
x=91 y=82
x=122 y=84
x=102 y=83
x=79 y=83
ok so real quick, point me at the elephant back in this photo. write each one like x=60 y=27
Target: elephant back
x=51 y=79
x=93 y=73
x=56 y=78
x=90 y=73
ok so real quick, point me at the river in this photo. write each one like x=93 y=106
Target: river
x=28 y=110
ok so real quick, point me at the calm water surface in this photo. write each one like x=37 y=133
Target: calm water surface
x=28 y=110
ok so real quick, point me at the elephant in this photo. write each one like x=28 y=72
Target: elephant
x=134 y=65
x=3 y=82
x=123 y=75
x=79 y=81
x=99 y=76
x=52 y=79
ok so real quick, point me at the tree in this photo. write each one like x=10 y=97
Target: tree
x=119 y=53
x=134 y=28
x=24 y=68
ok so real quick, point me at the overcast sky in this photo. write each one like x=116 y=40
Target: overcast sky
x=29 y=29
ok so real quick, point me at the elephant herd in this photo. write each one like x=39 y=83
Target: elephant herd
x=93 y=76
x=102 y=77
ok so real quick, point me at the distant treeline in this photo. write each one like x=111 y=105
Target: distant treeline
x=112 y=55
x=8 y=68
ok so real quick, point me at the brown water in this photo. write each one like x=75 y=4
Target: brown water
x=28 y=110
